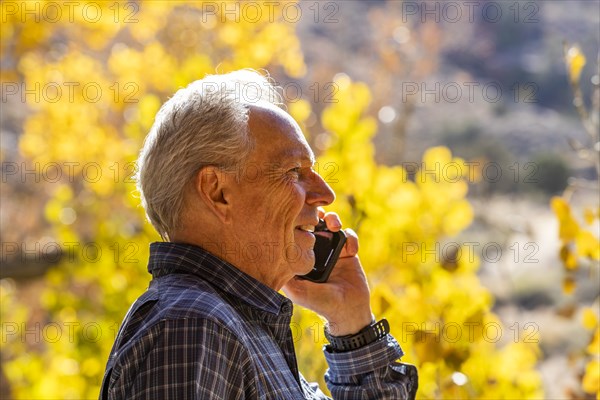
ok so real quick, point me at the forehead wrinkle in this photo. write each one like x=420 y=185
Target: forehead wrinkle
x=295 y=154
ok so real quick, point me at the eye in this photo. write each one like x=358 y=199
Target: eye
x=294 y=173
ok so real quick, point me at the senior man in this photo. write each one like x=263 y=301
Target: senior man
x=226 y=178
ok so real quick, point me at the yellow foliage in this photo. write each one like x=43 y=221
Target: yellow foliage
x=590 y=319
x=576 y=241
x=300 y=110
x=568 y=257
x=591 y=379
x=594 y=346
x=589 y=215
x=587 y=245
x=439 y=310
x=92 y=99
x=575 y=62
x=569 y=228
x=439 y=313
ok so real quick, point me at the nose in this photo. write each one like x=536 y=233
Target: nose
x=318 y=192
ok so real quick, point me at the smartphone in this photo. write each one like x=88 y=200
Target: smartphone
x=328 y=247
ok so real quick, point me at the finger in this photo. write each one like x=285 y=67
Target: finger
x=333 y=221
x=320 y=212
x=351 y=246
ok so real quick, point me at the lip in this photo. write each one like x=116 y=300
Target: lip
x=307 y=234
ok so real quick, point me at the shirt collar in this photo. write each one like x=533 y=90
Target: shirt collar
x=169 y=257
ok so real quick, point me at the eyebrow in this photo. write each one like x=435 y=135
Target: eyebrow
x=296 y=154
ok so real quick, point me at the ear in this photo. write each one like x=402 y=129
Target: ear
x=211 y=185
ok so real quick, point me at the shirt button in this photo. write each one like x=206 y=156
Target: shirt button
x=286 y=308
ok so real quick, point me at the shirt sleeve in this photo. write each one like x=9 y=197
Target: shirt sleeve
x=189 y=359
x=371 y=372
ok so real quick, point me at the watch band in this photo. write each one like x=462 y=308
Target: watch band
x=365 y=336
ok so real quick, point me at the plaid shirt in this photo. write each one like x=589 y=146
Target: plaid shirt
x=206 y=330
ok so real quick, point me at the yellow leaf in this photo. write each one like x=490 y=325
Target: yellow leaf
x=331 y=121
x=91 y=367
x=457 y=217
x=575 y=62
x=568 y=227
x=427 y=345
x=591 y=379
x=568 y=258
x=361 y=94
x=436 y=159
x=192 y=68
x=589 y=318
x=594 y=346
x=589 y=216
x=148 y=107
x=587 y=245
x=231 y=33
x=568 y=285
x=560 y=206
x=300 y=110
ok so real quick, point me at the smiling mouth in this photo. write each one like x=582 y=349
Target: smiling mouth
x=306 y=228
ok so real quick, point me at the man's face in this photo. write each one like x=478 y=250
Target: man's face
x=274 y=206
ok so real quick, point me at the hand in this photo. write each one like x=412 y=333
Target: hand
x=344 y=300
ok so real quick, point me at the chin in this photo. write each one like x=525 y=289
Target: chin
x=303 y=266
x=308 y=264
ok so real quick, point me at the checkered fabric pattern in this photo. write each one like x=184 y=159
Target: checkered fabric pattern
x=206 y=330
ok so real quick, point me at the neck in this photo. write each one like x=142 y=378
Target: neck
x=250 y=258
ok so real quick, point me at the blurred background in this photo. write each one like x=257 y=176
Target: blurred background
x=461 y=139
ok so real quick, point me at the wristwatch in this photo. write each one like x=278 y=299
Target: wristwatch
x=365 y=336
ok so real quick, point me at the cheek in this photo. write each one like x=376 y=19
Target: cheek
x=273 y=203
x=282 y=193
x=289 y=199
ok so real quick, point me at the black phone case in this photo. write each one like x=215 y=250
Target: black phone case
x=327 y=250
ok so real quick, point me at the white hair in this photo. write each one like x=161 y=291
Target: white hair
x=204 y=124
